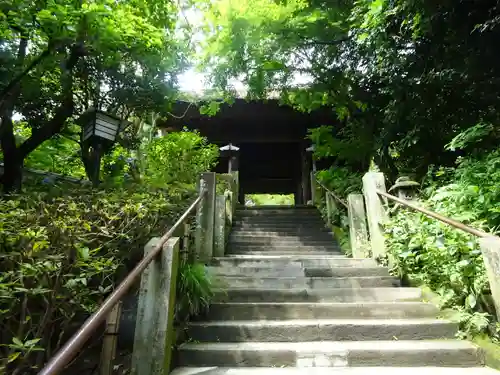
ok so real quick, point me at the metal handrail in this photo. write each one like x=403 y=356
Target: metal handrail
x=342 y=202
x=75 y=343
x=444 y=219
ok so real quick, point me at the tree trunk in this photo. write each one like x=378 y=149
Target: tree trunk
x=12 y=173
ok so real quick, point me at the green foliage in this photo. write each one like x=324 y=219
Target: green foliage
x=402 y=77
x=341 y=180
x=62 y=254
x=447 y=259
x=58 y=155
x=178 y=157
x=61 y=58
x=195 y=289
x=65 y=246
x=270 y=199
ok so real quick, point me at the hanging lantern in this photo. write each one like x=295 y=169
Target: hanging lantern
x=99 y=133
x=101 y=126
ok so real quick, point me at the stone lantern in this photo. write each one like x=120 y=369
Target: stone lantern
x=311 y=150
x=231 y=149
x=404 y=188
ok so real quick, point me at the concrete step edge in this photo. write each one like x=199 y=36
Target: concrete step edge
x=364 y=322
x=334 y=371
x=332 y=346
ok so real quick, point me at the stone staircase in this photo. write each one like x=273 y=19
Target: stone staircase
x=295 y=305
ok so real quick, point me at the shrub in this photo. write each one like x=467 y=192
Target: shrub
x=178 y=157
x=446 y=259
x=63 y=248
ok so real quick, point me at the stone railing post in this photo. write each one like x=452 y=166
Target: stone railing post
x=205 y=218
x=358 y=233
x=220 y=226
x=490 y=247
x=329 y=208
x=375 y=211
x=235 y=188
x=154 y=329
x=312 y=178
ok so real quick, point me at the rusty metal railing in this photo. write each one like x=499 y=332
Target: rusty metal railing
x=435 y=215
x=63 y=357
x=335 y=196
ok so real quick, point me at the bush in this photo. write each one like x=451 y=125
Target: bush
x=446 y=259
x=178 y=158
x=64 y=246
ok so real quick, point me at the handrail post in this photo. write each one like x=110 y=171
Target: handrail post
x=329 y=209
x=313 y=187
x=198 y=237
x=154 y=333
x=110 y=338
x=220 y=225
x=235 y=188
x=358 y=233
x=490 y=248
x=375 y=211
x=206 y=218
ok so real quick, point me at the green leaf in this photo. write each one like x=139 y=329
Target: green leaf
x=32 y=342
x=13 y=356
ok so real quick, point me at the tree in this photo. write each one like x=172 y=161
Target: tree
x=59 y=58
x=405 y=77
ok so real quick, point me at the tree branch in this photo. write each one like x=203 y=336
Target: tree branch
x=328 y=42
x=63 y=112
x=5 y=91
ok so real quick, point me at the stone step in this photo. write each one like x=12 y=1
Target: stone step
x=290 y=253
x=308 y=282
x=277 y=212
x=294 y=232
x=331 y=354
x=304 y=220
x=291 y=260
x=322 y=310
x=297 y=271
x=278 y=248
x=334 y=371
x=282 y=241
x=284 y=256
x=318 y=295
x=280 y=228
x=314 y=236
x=321 y=330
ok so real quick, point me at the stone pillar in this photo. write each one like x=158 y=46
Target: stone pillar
x=312 y=181
x=490 y=247
x=220 y=226
x=154 y=330
x=235 y=189
x=329 y=208
x=375 y=211
x=358 y=233
x=241 y=195
x=305 y=175
x=205 y=219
